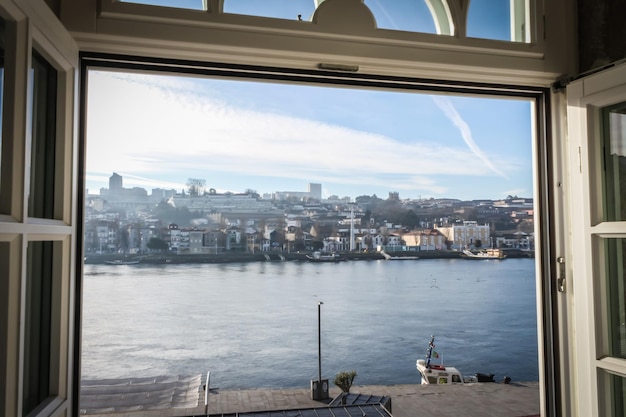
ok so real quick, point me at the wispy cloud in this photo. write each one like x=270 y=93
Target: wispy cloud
x=466 y=133
x=387 y=15
x=166 y=129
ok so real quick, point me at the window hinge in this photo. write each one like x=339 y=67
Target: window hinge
x=560 y=281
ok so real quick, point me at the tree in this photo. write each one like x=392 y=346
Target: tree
x=478 y=243
x=252 y=193
x=196 y=186
x=344 y=380
x=317 y=244
x=157 y=244
x=299 y=245
x=123 y=238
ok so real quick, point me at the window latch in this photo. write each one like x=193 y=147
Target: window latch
x=560 y=281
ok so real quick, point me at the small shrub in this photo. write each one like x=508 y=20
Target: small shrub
x=344 y=380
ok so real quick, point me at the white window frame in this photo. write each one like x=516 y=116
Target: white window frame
x=539 y=97
x=238 y=39
x=588 y=358
x=32 y=25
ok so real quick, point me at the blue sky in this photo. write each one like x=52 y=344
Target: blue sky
x=486 y=18
x=157 y=131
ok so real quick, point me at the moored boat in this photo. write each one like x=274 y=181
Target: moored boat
x=324 y=257
x=444 y=375
x=437 y=374
x=484 y=254
x=121 y=262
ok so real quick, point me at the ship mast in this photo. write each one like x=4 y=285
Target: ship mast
x=431 y=345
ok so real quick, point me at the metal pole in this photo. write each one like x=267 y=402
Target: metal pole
x=206 y=393
x=351 y=227
x=319 y=341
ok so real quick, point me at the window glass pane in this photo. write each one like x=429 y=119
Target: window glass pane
x=43 y=142
x=614 y=122
x=617 y=388
x=489 y=19
x=38 y=326
x=282 y=9
x=616 y=259
x=2 y=46
x=212 y=192
x=180 y=4
x=410 y=16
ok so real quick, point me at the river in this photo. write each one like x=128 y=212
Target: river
x=256 y=324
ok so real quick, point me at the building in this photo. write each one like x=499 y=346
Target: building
x=428 y=239
x=223 y=203
x=116 y=183
x=468 y=234
x=563 y=55
x=315 y=191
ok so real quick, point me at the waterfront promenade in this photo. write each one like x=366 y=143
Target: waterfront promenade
x=407 y=400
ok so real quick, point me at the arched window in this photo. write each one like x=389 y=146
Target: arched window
x=499 y=20
x=413 y=16
x=281 y=9
x=486 y=19
x=179 y=4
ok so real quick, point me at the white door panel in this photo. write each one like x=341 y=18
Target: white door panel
x=597 y=198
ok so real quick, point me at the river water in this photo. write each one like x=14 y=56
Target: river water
x=256 y=324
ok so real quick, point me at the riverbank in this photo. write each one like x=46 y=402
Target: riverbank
x=231 y=257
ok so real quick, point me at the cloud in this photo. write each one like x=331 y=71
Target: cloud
x=466 y=133
x=168 y=127
x=387 y=15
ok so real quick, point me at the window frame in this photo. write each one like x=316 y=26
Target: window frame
x=548 y=345
x=588 y=324
x=33 y=27
x=245 y=39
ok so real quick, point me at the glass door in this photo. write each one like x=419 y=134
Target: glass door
x=597 y=197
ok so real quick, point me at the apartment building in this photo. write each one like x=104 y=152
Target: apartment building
x=468 y=234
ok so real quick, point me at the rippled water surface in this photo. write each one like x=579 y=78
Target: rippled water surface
x=255 y=324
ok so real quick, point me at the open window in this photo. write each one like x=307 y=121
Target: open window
x=38 y=157
x=259 y=124
x=596 y=167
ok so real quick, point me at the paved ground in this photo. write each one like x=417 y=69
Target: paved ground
x=469 y=400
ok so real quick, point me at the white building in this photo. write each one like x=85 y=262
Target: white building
x=467 y=234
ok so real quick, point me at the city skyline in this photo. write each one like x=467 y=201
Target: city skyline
x=310 y=188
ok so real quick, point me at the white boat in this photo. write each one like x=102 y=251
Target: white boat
x=437 y=374
x=484 y=254
x=324 y=257
x=120 y=262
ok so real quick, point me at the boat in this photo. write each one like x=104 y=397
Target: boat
x=318 y=256
x=437 y=374
x=121 y=262
x=484 y=254
x=433 y=374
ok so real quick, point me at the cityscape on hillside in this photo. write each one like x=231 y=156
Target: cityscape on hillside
x=202 y=221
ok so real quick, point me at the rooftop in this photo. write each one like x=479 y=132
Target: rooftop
x=407 y=400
